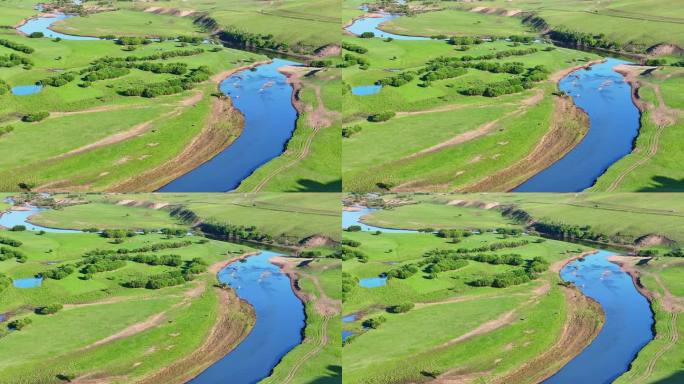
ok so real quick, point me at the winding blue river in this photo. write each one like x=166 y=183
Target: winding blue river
x=613 y=126
x=372 y=24
x=279 y=322
x=627 y=328
x=43 y=24
x=264 y=97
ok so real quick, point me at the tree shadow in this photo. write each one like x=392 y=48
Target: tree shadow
x=664 y=184
x=306 y=185
x=675 y=378
x=332 y=376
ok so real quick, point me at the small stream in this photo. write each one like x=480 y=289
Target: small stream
x=279 y=322
x=264 y=97
x=614 y=123
x=627 y=329
x=601 y=92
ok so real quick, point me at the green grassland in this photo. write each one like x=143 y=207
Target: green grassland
x=411 y=346
x=111 y=308
x=427 y=145
x=653 y=164
x=634 y=24
x=296 y=215
x=189 y=310
x=35 y=152
x=304 y=25
x=417 y=345
x=455 y=22
x=625 y=215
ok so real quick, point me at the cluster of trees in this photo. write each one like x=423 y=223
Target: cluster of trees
x=321 y=63
x=167 y=260
x=7 y=128
x=5 y=282
x=351 y=243
x=374 y=322
x=443 y=264
x=235 y=232
x=13 y=60
x=346 y=253
x=569 y=231
x=168 y=279
x=190 y=39
x=10 y=242
x=351 y=60
x=353 y=228
x=354 y=48
x=397 y=80
x=401 y=308
x=382 y=116
x=348 y=132
x=155 y=56
x=451 y=233
x=102 y=265
x=403 y=272
x=583 y=39
x=174 y=232
x=4 y=87
x=367 y=35
x=656 y=62
x=464 y=40
x=59 y=80
x=171 y=86
x=145 y=248
x=16 y=46
x=102 y=72
x=58 y=273
x=495 y=246
x=8 y=253
x=521 y=39
x=503 y=280
x=442 y=73
x=117 y=233
x=132 y=40
x=49 y=309
x=496 y=89
x=172 y=68
x=245 y=39
x=35 y=116
x=510 y=231
x=36 y=35
x=677 y=252
x=349 y=282
x=19 y=324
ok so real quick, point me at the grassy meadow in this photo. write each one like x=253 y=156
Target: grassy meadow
x=125 y=335
x=481 y=342
x=415 y=346
x=440 y=139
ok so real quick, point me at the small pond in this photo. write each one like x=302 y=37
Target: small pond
x=24 y=90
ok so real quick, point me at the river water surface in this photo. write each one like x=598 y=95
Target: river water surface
x=264 y=97
x=613 y=126
x=279 y=322
x=601 y=92
x=627 y=328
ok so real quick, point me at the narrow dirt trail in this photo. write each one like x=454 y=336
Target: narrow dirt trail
x=318 y=119
x=672 y=341
x=319 y=347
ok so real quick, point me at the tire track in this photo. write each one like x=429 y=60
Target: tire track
x=321 y=344
x=673 y=339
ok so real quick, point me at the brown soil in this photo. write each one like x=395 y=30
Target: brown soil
x=228 y=331
x=580 y=328
x=223 y=126
x=651 y=240
x=568 y=127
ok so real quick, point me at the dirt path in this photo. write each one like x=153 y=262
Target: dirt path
x=324 y=305
x=672 y=341
x=319 y=118
x=661 y=115
x=480 y=131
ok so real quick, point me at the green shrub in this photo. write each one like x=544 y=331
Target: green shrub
x=380 y=117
